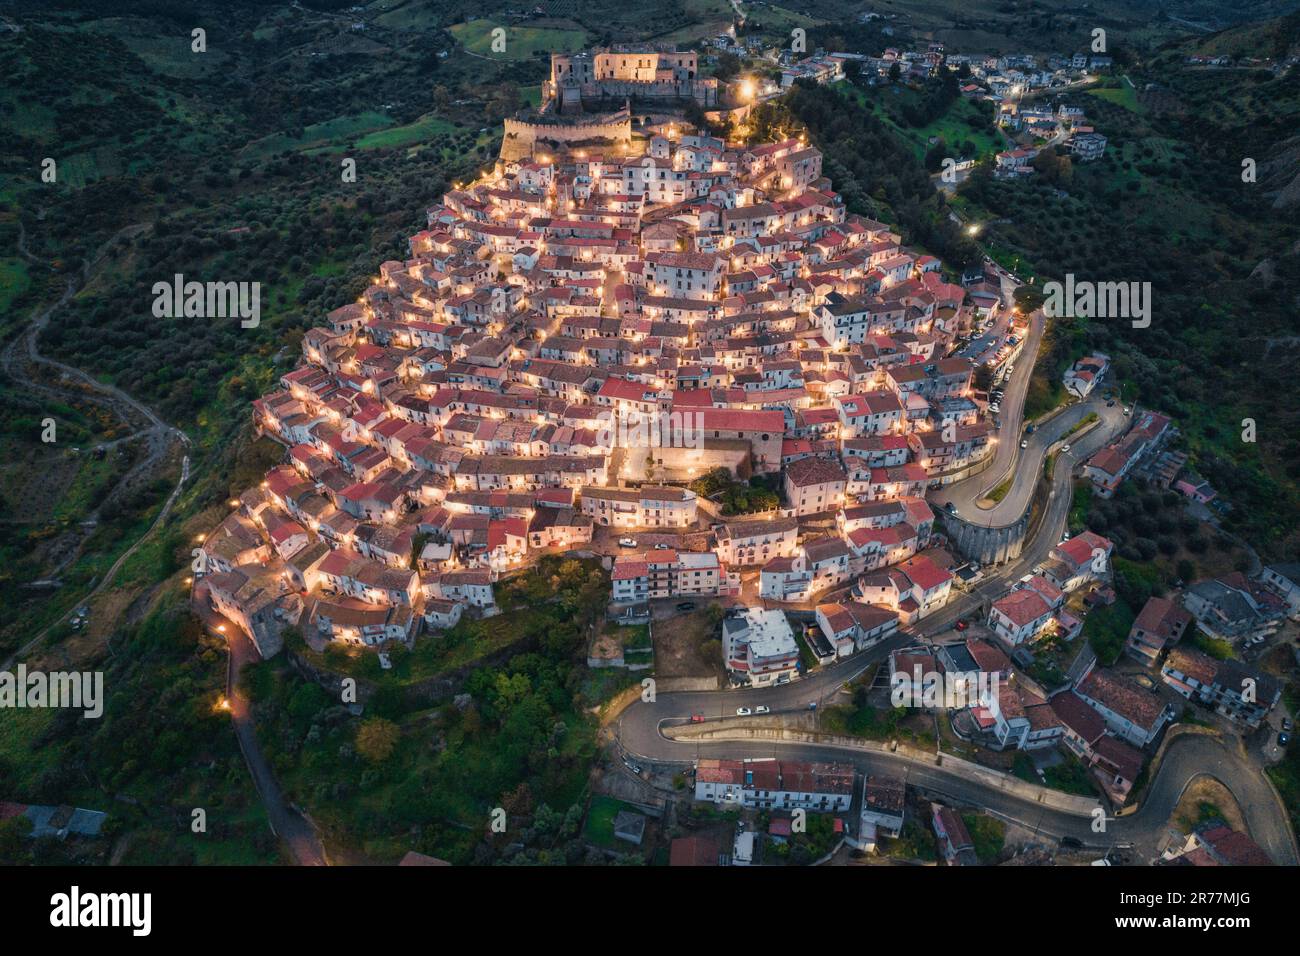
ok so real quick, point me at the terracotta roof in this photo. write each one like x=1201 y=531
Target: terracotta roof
x=1121 y=695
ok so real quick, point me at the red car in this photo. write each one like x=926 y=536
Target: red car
x=697 y=718
x=962 y=625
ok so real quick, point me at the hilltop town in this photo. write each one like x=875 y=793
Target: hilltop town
x=602 y=344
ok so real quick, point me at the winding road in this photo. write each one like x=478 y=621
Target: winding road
x=23 y=354
x=639 y=730
x=19 y=360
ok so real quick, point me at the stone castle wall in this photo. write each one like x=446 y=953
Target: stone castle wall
x=523 y=135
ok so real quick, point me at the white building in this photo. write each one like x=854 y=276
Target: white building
x=759 y=647
x=646 y=507
x=768 y=784
x=757 y=541
x=815 y=485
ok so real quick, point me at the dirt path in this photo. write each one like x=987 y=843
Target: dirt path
x=22 y=360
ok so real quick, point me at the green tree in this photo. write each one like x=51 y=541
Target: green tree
x=376 y=739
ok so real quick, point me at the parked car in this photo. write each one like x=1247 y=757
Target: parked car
x=686 y=606
x=995 y=408
x=662 y=547
x=697 y=718
x=743 y=711
x=627 y=542
x=812 y=705
x=1065 y=448
x=762 y=710
x=962 y=625
x=1024 y=443
x=950 y=508
x=627 y=762
x=1111 y=403
x=1072 y=843
x=1283 y=739
x=1286 y=724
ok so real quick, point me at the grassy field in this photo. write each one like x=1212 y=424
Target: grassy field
x=1000 y=491
x=988 y=834
x=1124 y=95
x=600 y=821
x=423 y=129
x=336 y=132
x=19 y=732
x=521 y=43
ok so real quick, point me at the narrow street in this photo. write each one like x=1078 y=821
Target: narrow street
x=287 y=822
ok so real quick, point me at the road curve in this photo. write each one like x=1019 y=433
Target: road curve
x=1187 y=757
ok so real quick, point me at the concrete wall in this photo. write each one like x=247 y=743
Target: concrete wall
x=985 y=545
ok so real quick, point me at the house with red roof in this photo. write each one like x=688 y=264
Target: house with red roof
x=930 y=588
x=1159 y=625
x=1016 y=718
x=1107 y=468
x=1021 y=615
x=703 y=849
x=1082 y=377
x=1078 y=561
x=1217 y=844
x=814 y=485
x=954 y=839
x=1131 y=712
x=854 y=626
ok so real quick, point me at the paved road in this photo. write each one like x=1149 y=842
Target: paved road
x=970 y=496
x=1008 y=432
x=1187 y=757
x=286 y=822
